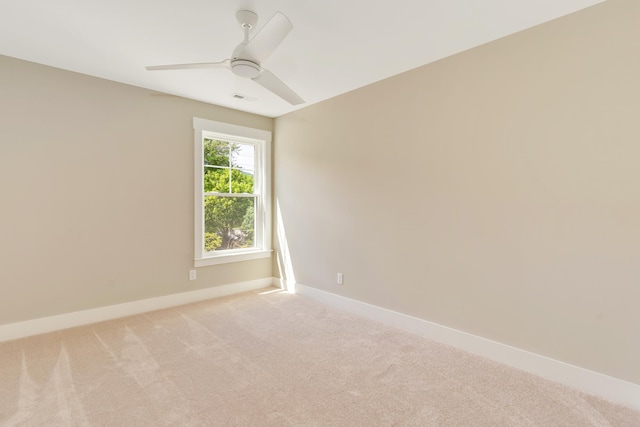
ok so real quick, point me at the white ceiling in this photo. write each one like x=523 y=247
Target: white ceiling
x=336 y=45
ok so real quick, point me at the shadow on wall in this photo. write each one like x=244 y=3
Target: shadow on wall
x=283 y=258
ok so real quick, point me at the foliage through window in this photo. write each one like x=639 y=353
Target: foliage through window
x=229 y=198
x=232 y=192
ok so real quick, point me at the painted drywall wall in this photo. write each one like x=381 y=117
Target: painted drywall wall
x=96 y=187
x=496 y=191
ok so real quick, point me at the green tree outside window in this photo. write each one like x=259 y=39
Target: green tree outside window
x=229 y=213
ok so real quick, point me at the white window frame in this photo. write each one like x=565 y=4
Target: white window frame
x=261 y=139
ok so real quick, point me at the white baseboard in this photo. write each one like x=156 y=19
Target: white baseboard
x=610 y=388
x=69 y=320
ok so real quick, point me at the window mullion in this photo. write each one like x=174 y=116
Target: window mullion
x=246 y=195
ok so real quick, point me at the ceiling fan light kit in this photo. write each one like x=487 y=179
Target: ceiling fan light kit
x=244 y=68
x=247 y=58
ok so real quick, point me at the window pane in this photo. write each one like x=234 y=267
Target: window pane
x=216 y=179
x=228 y=222
x=242 y=182
x=243 y=157
x=216 y=153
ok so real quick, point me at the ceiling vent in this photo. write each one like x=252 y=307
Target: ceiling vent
x=243 y=97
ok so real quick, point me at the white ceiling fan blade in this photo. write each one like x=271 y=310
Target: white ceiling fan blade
x=262 y=45
x=201 y=65
x=269 y=81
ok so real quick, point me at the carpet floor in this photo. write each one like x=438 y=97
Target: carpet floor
x=269 y=358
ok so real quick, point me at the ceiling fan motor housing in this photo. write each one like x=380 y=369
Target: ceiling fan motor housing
x=244 y=68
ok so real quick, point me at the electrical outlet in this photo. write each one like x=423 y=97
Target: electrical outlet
x=192 y=275
x=339 y=279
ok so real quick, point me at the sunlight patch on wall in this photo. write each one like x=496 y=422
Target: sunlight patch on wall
x=283 y=257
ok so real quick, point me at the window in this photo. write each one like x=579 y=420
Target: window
x=232 y=193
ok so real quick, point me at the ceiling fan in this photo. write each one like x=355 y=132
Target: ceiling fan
x=248 y=56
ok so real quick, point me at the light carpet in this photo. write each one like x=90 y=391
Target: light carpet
x=272 y=359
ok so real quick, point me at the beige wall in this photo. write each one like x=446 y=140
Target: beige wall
x=496 y=191
x=96 y=183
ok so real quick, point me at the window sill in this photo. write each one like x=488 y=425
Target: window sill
x=227 y=258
